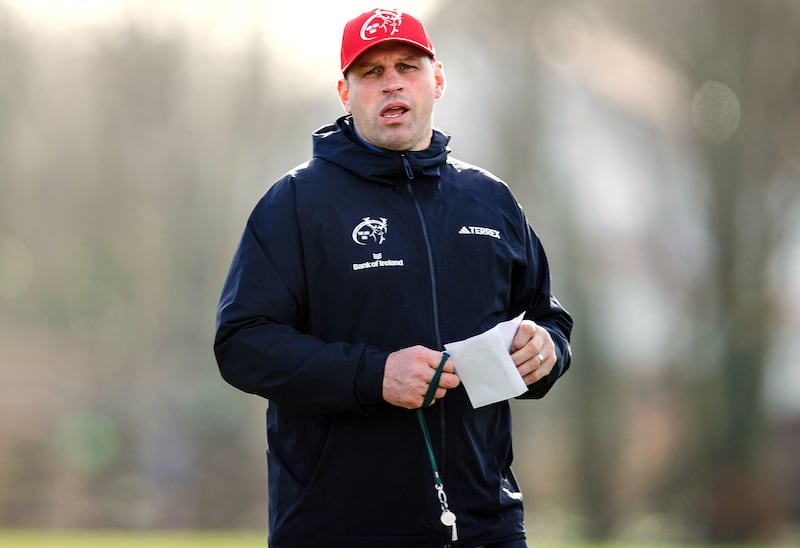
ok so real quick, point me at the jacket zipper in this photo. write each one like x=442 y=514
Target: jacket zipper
x=434 y=301
x=407 y=168
x=418 y=207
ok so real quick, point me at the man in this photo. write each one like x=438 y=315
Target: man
x=353 y=271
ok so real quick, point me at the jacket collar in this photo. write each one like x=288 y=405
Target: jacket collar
x=339 y=144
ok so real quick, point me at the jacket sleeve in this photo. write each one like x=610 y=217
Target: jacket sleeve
x=259 y=345
x=532 y=293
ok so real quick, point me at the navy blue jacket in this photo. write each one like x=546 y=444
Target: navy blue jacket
x=345 y=259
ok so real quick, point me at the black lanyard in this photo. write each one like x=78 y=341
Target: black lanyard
x=447 y=518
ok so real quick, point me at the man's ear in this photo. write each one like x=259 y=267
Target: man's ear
x=344 y=94
x=438 y=74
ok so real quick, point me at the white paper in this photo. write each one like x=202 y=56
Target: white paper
x=484 y=364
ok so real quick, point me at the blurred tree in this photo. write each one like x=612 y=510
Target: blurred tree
x=744 y=61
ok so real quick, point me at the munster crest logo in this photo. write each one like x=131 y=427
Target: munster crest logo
x=370 y=230
x=382 y=21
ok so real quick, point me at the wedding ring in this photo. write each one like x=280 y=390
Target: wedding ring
x=541 y=358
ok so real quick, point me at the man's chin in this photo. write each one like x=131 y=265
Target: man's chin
x=399 y=141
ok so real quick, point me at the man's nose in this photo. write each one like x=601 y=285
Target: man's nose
x=392 y=82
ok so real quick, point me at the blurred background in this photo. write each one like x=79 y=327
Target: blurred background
x=655 y=147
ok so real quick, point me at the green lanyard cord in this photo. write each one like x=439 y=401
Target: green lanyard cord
x=435 y=381
x=448 y=518
x=420 y=417
x=436 y=479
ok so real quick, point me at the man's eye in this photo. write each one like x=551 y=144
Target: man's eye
x=403 y=66
x=374 y=70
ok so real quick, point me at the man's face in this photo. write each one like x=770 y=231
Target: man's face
x=390 y=91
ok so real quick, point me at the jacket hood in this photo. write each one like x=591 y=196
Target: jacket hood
x=339 y=144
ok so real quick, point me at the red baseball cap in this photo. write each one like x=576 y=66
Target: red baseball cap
x=378 y=26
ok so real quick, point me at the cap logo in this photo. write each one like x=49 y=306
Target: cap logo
x=388 y=21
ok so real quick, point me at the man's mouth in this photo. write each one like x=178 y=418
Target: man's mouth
x=393 y=112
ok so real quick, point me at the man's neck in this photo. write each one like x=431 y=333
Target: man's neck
x=367 y=144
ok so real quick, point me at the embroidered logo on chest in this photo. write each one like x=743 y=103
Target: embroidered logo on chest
x=373 y=231
x=479 y=231
x=370 y=229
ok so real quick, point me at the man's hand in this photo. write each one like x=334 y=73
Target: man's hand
x=533 y=352
x=409 y=372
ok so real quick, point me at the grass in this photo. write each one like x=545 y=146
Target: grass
x=202 y=539
x=130 y=539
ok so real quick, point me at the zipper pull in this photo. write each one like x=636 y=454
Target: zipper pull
x=407 y=167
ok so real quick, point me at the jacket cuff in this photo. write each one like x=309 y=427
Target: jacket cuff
x=369 y=381
x=539 y=389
